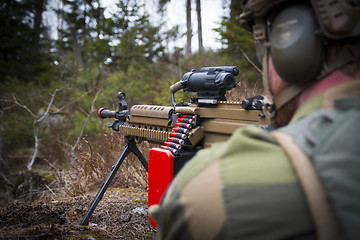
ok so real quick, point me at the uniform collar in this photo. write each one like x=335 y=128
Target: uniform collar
x=342 y=96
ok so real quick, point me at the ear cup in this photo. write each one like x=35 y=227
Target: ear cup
x=296 y=49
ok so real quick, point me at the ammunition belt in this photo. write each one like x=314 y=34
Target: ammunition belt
x=180 y=133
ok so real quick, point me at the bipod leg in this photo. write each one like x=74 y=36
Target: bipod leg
x=130 y=147
x=136 y=151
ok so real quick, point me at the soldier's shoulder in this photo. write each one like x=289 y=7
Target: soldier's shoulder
x=249 y=171
x=249 y=148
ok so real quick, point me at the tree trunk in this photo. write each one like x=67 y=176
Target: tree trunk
x=39 y=9
x=188 y=27
x=198 y=12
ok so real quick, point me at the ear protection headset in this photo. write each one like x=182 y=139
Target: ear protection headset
x=297 y=41
x=295 y=44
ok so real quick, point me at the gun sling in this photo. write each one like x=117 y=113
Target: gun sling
x=326 y=222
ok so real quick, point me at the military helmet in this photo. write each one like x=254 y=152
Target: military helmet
x=299 y=35
x=338 y=18
x=295 y=32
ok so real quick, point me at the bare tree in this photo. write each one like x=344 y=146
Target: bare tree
x=36 y=122
x=39 y=118
x=198 y=12
x=188 y=27
x=161 y=5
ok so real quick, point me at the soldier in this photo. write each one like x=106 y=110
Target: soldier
x=301 y=181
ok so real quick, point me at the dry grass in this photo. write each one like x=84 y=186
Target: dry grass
x=95 y=160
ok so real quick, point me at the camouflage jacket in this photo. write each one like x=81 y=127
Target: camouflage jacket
x=247 y=187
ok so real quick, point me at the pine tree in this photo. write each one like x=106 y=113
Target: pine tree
x=24 y=41
x=138 y=40
x=77 y=29
x=233 y=37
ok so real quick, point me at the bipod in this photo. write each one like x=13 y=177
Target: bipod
x=130 y=147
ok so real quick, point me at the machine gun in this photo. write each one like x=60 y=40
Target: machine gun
x=182 y=129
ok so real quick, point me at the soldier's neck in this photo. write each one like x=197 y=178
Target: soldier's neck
x=336 y=78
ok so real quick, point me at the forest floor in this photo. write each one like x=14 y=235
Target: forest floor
x=121 y=214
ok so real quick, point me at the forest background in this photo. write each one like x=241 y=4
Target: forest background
x=51 y=140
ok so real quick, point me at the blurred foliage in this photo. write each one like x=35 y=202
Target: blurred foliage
x=18 y=132
x=24 y=42
x=232 y=35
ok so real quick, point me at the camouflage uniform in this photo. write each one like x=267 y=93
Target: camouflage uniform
x=247 y=187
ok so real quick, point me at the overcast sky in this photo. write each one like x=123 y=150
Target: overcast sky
x=211 y=12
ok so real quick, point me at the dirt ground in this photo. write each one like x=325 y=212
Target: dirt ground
x=121 y=214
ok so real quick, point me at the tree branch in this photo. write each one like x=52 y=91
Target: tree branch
x=10 y=183
x=92 y=109
x=68 y=104
x=20 y=104
x=35 y=127
x=251 y=62
x=49 y=106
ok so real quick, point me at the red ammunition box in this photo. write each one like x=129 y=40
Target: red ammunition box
x=160 y=174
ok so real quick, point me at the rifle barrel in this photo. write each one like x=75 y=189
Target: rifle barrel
x=104 y=113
